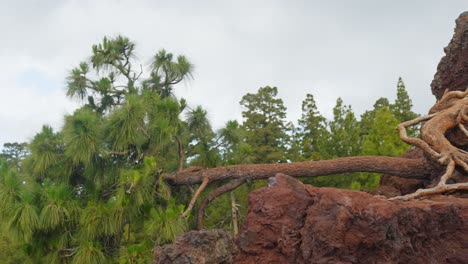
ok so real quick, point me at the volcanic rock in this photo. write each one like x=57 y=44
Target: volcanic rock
x=198 y=247
x=452 y=71
x=295 y=223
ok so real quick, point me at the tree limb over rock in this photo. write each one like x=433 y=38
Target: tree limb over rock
x=238 y=174
x=449 y=114
x=401 y=167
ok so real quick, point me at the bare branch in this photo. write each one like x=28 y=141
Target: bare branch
x=215 y=194
x=200 y=189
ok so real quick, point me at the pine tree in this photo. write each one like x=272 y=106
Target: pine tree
x=383 y=138
x=266 y=129
x=345 y=132
x=312 y=133
x=232 y=144
x=368 y=117
x=202 y=147
x=402 y=107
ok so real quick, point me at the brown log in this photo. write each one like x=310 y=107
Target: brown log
x=401 y=167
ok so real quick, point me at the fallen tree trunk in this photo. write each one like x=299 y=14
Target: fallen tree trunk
x=401 y=167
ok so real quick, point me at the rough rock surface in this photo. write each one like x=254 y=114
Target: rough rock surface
x=295 y=223
x=198 y=247
x=452 y=71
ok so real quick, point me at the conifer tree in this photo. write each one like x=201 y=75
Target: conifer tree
x=264 y=122
x=402 y=107
x=312 y=133
x=345 y=132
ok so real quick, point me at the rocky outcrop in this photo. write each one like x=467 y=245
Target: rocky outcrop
x=198 y=247
x=272 y=228
x=452 y=71
x=295 y=223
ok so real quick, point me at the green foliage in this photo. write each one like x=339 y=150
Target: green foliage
x=312 y=134
x=368 y=117
x=264 y=122
x=53 y=216
x=89 y=253
x=218 y=213
x=11 y=188
x=14 y=153
x=232 y=144
x=24 y=220
x=126 y=125
x=382 y=138
x=402 y=107
x=166 y=73
x=345 y=131
x=136 y=253
x=47 y=148
x=165 y=224
x=90 y=192
x=202 y=144
x=81 y=135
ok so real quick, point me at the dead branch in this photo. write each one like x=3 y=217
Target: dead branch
x=200 y=189
x=215 y=194
x=235 y=214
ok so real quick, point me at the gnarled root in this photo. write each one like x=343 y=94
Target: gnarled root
x=450 y=114
x=441 y=188
x=416 y=141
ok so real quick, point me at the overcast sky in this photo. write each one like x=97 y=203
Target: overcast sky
x=350 y=49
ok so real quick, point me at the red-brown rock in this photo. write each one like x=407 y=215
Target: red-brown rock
x=198 y=247
x=452 y=71
x=295 y=223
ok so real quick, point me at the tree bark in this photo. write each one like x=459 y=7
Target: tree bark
x=401 y=167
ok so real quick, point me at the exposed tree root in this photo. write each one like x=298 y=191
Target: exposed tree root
x=451 y=112
x=416 y=141
x=442 y=187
